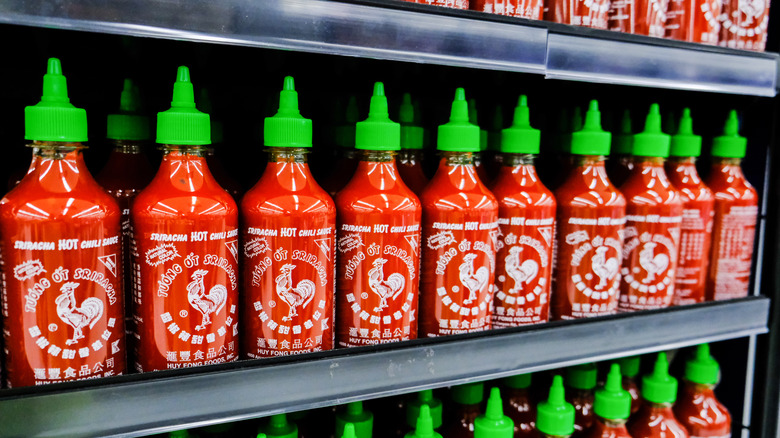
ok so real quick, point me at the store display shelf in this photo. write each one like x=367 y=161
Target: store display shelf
x=416 y=33
x=139 y=404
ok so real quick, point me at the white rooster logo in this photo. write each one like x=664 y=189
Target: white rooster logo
x=205 y=303
x=77 y=317
x=752 y=9
x=474 y=282
x=653 y=264
x=300 y=295
x=389 y=288
x=604 y=268
x=520 y=273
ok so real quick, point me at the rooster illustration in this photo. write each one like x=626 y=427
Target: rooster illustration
x=752 y=9
x=474 y=282
x=77 y=317
x=653 y=264
x=604 y=268
x=300 y=295
x=520 y=273
x=389 y=288
x=204 y=303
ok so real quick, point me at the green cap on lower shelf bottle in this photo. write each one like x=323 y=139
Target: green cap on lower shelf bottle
x=494 y=424
x=659 y=387
x=378 y=132
x=652 y=142
x=128 y=124
x=349 y=431
x=458 y=135
x=468 y=394
x=279 y=427
x=411 y=134
x=629 y=366
x=483 y=135
x=288 y=128
x=184 y=433
x=423 y=426
x=261 y=435
x=702 y=368
x=519 y=381
x=424 y=398
x=685 y=143
x=183 y=124
x=54 y=118
x=361 y=419
x=612 y=402
x=521 y=138
x=730 y=144
x=624 y=138
x=591 y=139
x=582 y=376
x=555 y=416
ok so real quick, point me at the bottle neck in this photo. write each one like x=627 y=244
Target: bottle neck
x=682 y=160
x=188 y=151
x=130 y=147
x=727 y=169
x=726 y=161
x=288 y=155
x=588 y=160
x=513 y=160
x=612 y=423
x=657 y=407
x=377 y=156
x=449 y=158
x=705 y=388
x=57 y=166
x=185 y=168
x=647 y=161
x=410 y=157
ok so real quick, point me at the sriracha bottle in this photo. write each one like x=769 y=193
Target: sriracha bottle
x=581 y=382
x=698 y=409
x=425 y=399
x=655 y=418
x=621 y=163
x=612 y=407
x=698 y=204
x=526 y=211
x=63 y=313
x=630 y=368
x=378 y=240
x=185 y=228
x=288 y=226
x=652 y=234
x=459 y=230
x=519 y=406
x=555 y=416
x=736 y=212
x=464 y=410
x=410 y=158
x=362 y=420
x=424 y=426
x=591 y=215
x=493 y=423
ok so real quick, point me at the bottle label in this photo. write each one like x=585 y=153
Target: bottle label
x=728 y=435
x=288 y=287
x=523 y=270
x=732 y=251
x=378 y=281
x=459 y=4
x=694 y=254
x=706 y=25
x=650 y=250
x=186 y=307
x=744 y=24
x=621 y=16
x=532 y=9
x=459 y=263
x=63 y=304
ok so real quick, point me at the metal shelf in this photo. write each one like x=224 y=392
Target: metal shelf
x=403 y=31
x=157 y=402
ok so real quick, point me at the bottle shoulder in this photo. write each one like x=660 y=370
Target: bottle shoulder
x=273 y=201
x=31 y=201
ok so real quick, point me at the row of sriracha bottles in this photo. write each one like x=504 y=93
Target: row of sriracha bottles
x=476 y=258
x=576 y=406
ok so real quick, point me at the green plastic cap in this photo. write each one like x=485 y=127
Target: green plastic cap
x=702 y=368
x=629 y=366
x=261 y=435
x=424 y=398
x=612 y=402
x=411 y=135
x=468 y=394
x=494 y=424
x=591 y=139
x=378 y=132
x=458 y=135
x=652 y=142
x=128 y=124
x=362 y=420
x=555 y=416
x=521 y=138
x=582 y=376
x=345 y=134
x=520 y=381
x=184 y=433
x=288 y=128
x=730 y=144
x=349 y=431
x=279 y=427
x=660 y=387
x=623 y=140
x=685 y=143
x=183 y=124
x=423 y=427
x=54 y=118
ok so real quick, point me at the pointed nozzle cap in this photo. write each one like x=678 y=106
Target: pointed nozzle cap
x=458 y=135
x=423 y=426
x=685 y=143
x=629 y=366
x=378 y=132
x=521 y=138
x=582 y=376
x=411 y=135
x=612 y=402
x=494 y=424
x=349 y=431
x=183 y=124
x=468 y=394
x=128 y=124
x=623 y=140
x=261 y=435
x=660 y=387
x=555 y=416
x=424 y=398
x=702 y=368
x=279 y=427
x=730 y=144
x=363 y=420
x=519 y=381
x=54 y=118
x=288 y=128
x=652 y=142
x=591 y=139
